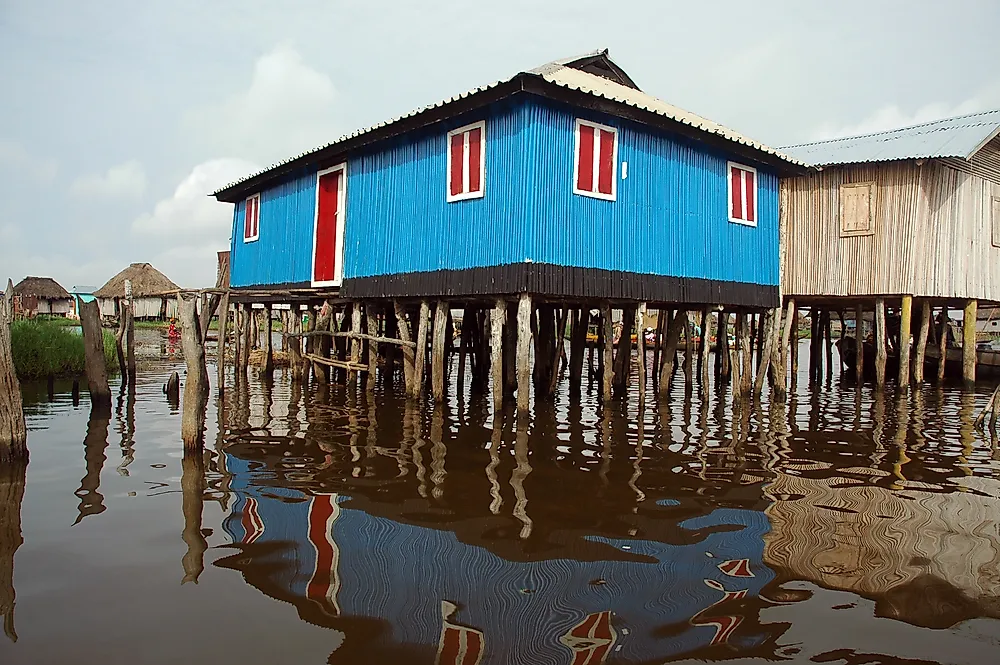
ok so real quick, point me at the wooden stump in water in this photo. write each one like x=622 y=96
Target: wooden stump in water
x=607 y=357
x=196 y=383
x=173 y=388
x=906 y=313
x=669 y=354
x=438 y=342
x=13 y=433
x=130 y=342
x=497 y=319
x=859 y=336
x=93 y=347
x=880 y=350
x=524 y=342
x=120 y=342
x=420 y=359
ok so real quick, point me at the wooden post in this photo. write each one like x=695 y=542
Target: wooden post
x=815 y=344
x=371 y=310
x=13 y=432
x=925 y=325
x=437 y=352
x=793 y=343
x=608 y=362
x=578 y=344
x=703 y=348
x=640 y=359
x=497 y=319
x=93 y=344
x=880 y=353
x=623 y=358
x=120 y=342
x=669 y=354
x=827 y=341
x=661 y=325
x=943 y=345
x=420 y=353
x=859 y=335
x=767 y=327
x=352 y=375
x=559 y=351
x=268 y=346
x=780 y=359
x=325 y=320
x=722 y=346
x=524 y=352
x=969 y=341
x=739 y=333
x=746 y=373
x=905 y=317
x=688 y=350
x=409 y=354
x=220 y=349
x=130 y=330
x=248 y=325
x=295 y=361
x=196 y=382
x=237 y=340
x=464 y=346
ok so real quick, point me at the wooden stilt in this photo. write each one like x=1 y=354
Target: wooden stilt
x=623 y=358
x=969 y=341
x=578 y=345
x=827 y=342
x=746 y=372
x=438 y=350
x=13 y=432
x=248 y=335
x=722 y=346
x=560 y=348
x=880 y=351
x=409 y=354
x=420 y=354
x=905 y=317
x=859 y=333
x=268 y=345
x=943 y=345
x=815 y=344
x=703 y=348
x=325 y=320
x=781 y=360
x=372 y=314
x=767 y=329
x=296 y=363
x=688 y=351
x=524 y=342
x=779 y=353
x=196 y=381
x=793 y=342
x=661 y=316
x=497 y=319
x=677 y=324
x=352 y=375
x=607 y=363
x=93 y=344
x=640 y=358
x=925 y=325
x=220 y=347
x=739 y=335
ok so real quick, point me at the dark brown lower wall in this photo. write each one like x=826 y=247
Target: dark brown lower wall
x=561 y=282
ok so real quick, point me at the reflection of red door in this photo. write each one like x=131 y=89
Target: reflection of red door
x=327 y=217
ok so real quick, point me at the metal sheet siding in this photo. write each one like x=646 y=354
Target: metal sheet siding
x=283 y=252
x=398 y=219
x=671 y=216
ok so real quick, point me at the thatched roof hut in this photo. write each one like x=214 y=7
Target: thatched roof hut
x=44 y=288
x=146 y=280
x=152 y=293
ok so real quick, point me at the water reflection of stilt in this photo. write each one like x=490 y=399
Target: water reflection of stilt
x=637 y=462
x=966 y=429
x=126 y=425
x=878 y=429
x=192 y=504
x=438 y=452
x=899 y=440
x=496 y=440
x=94 y=445
x=416 y=424
x=604 y=433
x=517 y=477
x=12 y=477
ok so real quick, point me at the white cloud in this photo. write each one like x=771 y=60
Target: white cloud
x=287 y=109
x=893 y=117
x=126 y=180
x=190 y=226
x=16 y=159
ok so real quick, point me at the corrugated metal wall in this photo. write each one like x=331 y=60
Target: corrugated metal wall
x=932 y=234
x=283 y=252
x=670 y=217
x=985 y=163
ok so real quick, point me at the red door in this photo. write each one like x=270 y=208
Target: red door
x=326 y=255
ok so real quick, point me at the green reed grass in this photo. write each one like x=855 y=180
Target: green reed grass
x=41 y=348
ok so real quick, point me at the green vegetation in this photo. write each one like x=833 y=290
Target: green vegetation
x=41 y=347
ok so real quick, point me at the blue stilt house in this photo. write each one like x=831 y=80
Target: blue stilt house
x=566 y=181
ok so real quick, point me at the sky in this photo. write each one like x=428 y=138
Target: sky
x=117 y=118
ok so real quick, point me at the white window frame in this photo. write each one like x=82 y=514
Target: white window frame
x=729 y=194
x=246 y=206
x=613 y=196
x=338 y=273
x=466 y=195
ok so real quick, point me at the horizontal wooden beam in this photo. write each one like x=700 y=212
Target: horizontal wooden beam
x=343 y=364
x=352 y=335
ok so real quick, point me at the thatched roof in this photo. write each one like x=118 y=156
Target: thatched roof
x=45 y=288
x=146 y=281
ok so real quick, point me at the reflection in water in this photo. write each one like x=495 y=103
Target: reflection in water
x=192 y=504
x=94 y=445
x=12 y=477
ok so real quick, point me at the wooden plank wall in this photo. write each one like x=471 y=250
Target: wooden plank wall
x=932 y=233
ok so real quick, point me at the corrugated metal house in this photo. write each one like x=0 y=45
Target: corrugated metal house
x=565 y=180
x=913 y=211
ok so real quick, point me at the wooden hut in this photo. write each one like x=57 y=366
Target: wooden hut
x=41 y=295
x=887 y=218
x=154 y=295
x=565 y=186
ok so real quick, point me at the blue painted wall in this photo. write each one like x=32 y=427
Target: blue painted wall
x=670 y=217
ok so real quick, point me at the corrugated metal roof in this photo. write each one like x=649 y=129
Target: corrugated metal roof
x=559 y=74
x=960 y=137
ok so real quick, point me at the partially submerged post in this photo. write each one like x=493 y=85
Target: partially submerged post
x=640 y=359
x=859 y=339
x=969 y=341
x=703 y=348
x=13 y=433
x=607 y=363
x=905 y=317
x=524 y=353
x=943 y=344
x=93 y=348
x=925 y=324
x=497 y=319
x=130 y=331
x=669 y=354
x=880 y=351
x=438 y=351
x=196 y=384
x=409 y=353
x=268 y=344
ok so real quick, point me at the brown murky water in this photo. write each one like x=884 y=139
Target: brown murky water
x=323 y=527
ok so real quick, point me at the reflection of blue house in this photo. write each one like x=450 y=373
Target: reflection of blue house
x=439 y=595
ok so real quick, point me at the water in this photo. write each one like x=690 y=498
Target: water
x=322 y=527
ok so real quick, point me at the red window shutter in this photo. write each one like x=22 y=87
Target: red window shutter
x=736 y=189
x=607 y=164
x=248 y=206
x=475 y=152
x=585 y=160
x=457 y=164
x=751 y=190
